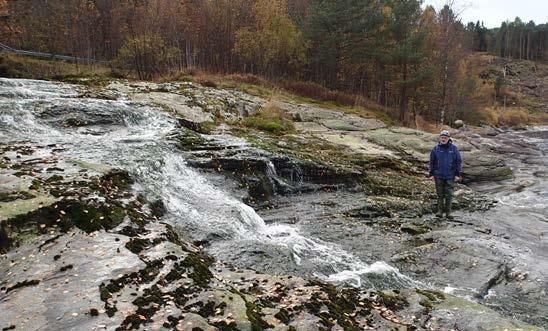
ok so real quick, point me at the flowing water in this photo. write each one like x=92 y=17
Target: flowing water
x=519 y=225
x=136 y=137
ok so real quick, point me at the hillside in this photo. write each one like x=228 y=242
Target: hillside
x=524 y=87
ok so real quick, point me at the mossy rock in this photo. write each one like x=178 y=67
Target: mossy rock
x=414 y=230
x=157 y=208
x=272 y=124
x=392 y=300
x=118 y=178
x=426 y=304
x=18 y=207
x=67 y=214
x=12 y=196
x=5 y=240
x=137 y=245
x=431 y=294
x=254 y=316
x=200 y=127
x=200 y=268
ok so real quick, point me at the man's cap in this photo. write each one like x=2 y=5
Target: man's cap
x=444 y=133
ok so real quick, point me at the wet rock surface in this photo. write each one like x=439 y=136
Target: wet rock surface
x=136 y=272
x=86 y=246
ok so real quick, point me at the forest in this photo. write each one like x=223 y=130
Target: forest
x=410 y=59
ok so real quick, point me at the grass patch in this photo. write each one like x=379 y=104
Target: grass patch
x=270 y=118
x=15 y=66
x=514 y=117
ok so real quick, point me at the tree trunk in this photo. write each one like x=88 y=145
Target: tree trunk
x=403 y=95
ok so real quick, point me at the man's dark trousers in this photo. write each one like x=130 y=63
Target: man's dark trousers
x=444 y=189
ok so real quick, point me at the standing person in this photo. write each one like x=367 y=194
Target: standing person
x=445 y=167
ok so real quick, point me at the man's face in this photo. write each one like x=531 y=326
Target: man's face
x=444 y=139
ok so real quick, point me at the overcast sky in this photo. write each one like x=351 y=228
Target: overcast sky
x=494 y=12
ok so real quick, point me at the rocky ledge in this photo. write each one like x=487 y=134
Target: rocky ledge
x=82 y=249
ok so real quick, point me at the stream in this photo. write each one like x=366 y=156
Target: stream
x=136 y=138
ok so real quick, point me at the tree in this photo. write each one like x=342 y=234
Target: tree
x=273 y=43
x=407 y=52
x=147 y=56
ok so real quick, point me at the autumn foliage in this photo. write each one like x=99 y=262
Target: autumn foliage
x=409 y=59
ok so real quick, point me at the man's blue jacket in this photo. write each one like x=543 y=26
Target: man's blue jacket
x=445 y=161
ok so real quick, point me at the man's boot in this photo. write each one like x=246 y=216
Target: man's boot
x=439 y=212
x=448 y=209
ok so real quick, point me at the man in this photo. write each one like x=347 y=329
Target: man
x=445 y=168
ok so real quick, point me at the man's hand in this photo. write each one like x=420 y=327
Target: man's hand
x=457 y=179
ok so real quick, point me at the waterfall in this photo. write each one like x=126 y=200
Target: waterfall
x=133 y=136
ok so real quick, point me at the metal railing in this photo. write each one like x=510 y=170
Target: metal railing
x=51 y=56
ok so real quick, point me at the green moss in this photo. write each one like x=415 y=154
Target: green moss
x=131 y=322
x=283 y=316
x=117 y=178
x=134 y=214
x=341 y=305
x=254 y=316
x=104 y=293
x=63 y=215
x=36 y=184
x=150 y=272
x=88 y=218
x=172 y=236
x=142 y=276
x=5 y=240
x=201 y=127
x=269 y=124
x=394 y=301
x=426 y=304
x=190 y=140
x=152 y=295
x=223 y=325
x=21 y=195
x=431 y=294
x=414 y=229
x=54 y=179
x=207 y=310
x=137 y=245
x=157 y=208
x=200 y=268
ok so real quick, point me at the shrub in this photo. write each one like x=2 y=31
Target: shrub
x=148 y=56
x=319 y=92
x=248 y=79
x=515 y=117
x=207 y=82
x=270 y=118
x=488 y=115
x=479 y=115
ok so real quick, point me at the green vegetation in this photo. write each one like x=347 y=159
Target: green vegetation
x=200 y=268
x=147 y=56
x=66 y=214
x=392 y=300
x=270 y=118
x=431 y=294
